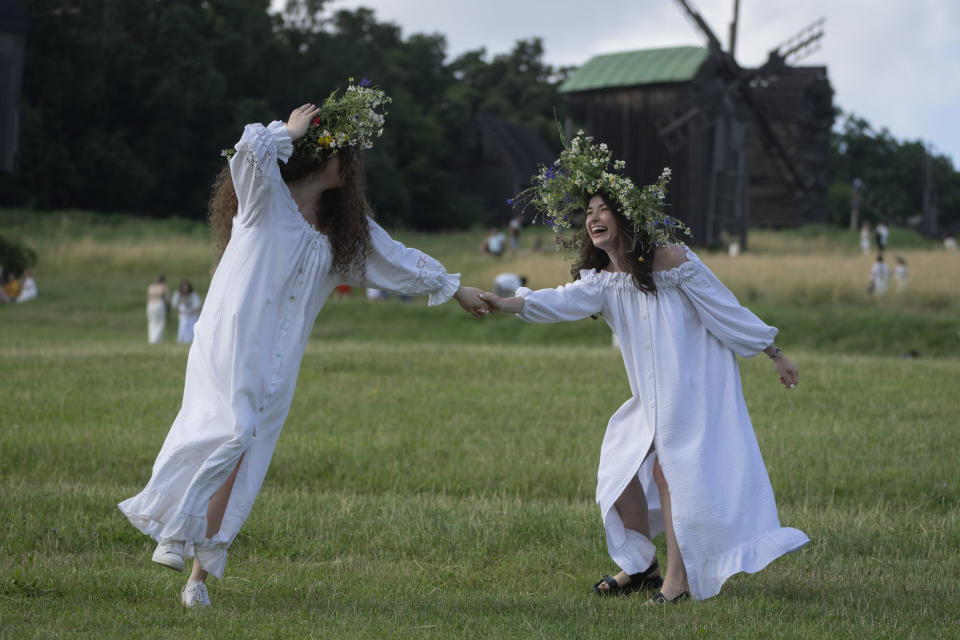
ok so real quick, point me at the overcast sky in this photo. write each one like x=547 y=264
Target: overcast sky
x=894 y=62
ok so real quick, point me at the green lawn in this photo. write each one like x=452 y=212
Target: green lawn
x=436 y=475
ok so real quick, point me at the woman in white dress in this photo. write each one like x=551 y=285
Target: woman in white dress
x=187 y=303
x=680 y=456
x=879 y=277
x=158 y=299
x=295 y=222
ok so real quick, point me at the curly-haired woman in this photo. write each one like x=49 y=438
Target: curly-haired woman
x=680 y=456
x=293 y=226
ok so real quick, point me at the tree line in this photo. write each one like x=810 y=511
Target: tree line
x=126 y=105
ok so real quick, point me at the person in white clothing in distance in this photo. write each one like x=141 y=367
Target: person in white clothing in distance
x=680 y=456
x=293 y=219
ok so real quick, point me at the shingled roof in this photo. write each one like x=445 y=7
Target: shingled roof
x=633 y=68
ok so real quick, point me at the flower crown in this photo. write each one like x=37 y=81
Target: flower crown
x=560 y=191
x=350 y=119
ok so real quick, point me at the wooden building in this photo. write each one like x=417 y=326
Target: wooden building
x=734 y=164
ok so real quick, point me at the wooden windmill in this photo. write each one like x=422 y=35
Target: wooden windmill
x=747 y=146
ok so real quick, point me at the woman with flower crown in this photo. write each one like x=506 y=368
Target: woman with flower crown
x=294 y=224
x=680 y=456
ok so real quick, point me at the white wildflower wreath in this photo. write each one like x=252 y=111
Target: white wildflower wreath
x=353 y=118
x=561 y=190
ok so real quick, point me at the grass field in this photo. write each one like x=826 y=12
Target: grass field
x=435 y=478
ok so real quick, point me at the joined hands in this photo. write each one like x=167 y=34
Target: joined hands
x=471 y=299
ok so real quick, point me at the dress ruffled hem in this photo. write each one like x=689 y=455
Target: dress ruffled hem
x=148 y=512
x=152 y=512
x=749 y=558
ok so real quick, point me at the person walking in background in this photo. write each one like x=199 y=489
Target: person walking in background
x=879 y=277
x=865 y=238
x=882 y=234
x=187 y=303
x=292 y=218
x=680 y=456
x=901 y=274
x=516 y=224
x=158 y=300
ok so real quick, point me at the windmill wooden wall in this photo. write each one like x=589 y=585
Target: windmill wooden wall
x=799 y=106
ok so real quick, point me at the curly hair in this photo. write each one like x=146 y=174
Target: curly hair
x=342 y=212
x=639 y=261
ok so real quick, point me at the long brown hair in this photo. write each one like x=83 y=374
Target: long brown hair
x=341 y=214
x=637 y=249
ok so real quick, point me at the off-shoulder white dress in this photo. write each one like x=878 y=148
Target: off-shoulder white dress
x=680 y=349
x=271 y=283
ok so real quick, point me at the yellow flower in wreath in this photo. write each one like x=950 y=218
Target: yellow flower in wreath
x=325 y=141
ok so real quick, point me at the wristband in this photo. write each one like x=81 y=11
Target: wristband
x=776 y=352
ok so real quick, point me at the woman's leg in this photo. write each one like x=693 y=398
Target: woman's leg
x=215 y=510
x=675 y=581
x=632 y=507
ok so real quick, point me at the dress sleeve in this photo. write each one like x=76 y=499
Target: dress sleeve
x=393 y=267
x=254 y=167
x=721 y=314
x=573 y=301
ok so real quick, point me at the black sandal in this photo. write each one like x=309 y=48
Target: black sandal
x=658 y=598
x=638 y=581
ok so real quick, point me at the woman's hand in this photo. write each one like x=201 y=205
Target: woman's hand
x=300 y=119
x=502 y=305
x=470 y=298
x=789 y=374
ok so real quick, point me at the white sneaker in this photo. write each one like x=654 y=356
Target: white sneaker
x=169 y=553
x=194 y=594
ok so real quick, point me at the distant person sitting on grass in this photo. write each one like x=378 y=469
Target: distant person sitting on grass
x=495 y=243
x=28 y=287
x=506 y=284
x=291 y=211
x=11 y=287
x=680 y=456
x=4 y=296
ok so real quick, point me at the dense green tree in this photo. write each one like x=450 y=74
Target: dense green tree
x=126 y=104
x=890 y=175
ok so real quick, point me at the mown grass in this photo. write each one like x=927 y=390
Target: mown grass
x=436 y=475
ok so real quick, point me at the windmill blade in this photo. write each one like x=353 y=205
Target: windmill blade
x=802 y=43
x=712 y=40
x=766 y=129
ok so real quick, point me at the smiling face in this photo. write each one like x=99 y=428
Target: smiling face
x=602 y=225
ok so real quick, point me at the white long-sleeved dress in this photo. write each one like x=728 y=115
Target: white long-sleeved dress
x=188 y=312
x=679 y=347
x=271 y=283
